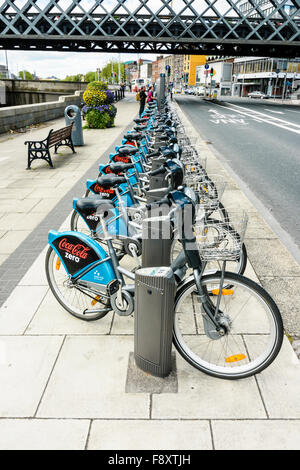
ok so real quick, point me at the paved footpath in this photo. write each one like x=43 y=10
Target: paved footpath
x=67 y=384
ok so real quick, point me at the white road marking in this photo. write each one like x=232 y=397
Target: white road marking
x=271 y=111
x=270 y=119
x=2 y=159
x=265 y=115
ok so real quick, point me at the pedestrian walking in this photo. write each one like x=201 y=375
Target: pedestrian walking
x=142 y=100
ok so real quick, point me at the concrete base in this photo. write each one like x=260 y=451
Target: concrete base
x=139 y=381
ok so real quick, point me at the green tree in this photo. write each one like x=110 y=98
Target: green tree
x=90 y=76
x=113 y=67
x=73 y=78
x=25 y=74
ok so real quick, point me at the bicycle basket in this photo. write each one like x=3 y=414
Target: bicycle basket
x=219 y=240
x=209 y=188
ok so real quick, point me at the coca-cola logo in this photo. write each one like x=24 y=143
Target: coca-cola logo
x=117 y=158
x=77 y=250
x=100 y=189
x=107 y=169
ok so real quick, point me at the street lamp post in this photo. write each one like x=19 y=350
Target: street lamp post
x=284 y=86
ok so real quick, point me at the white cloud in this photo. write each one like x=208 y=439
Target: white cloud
x=60 y=64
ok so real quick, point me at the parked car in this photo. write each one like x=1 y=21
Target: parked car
x=257 y=94
x=200 y=91
x=189 y=91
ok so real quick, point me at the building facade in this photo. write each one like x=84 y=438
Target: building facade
x=156 y=68
x=221 y=78
x=190 y=64
x=276 y=77
x=267 y=7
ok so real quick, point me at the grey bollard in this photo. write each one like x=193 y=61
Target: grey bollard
x=158 y=181
x=73 y=114
x=153 y=319
x=156 y=239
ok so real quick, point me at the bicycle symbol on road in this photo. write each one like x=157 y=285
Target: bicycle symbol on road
x=225 y=118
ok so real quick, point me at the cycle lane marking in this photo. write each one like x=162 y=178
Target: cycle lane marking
x=259 y=113
x=225 y=118
x=270 y=119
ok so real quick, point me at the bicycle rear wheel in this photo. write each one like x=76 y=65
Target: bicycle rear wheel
x=76 y=300
x=251 y=320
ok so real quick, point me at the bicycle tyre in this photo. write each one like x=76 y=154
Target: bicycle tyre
x=57 y=283
x=189 y=343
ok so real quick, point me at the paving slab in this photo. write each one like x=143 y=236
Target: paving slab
x=139 y=381
x=24 y=370
x=258 y=435
x=89 y=379
x=53 y=319
x=271 y=258
x=143 y=435
x=19 y=309
x=286 y=293
x=280 y=385
x=202 y=397
x=43 y=434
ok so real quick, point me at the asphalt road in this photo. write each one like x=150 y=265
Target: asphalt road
x=260 y=141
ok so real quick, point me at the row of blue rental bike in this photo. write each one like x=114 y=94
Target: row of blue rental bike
x=225 y=324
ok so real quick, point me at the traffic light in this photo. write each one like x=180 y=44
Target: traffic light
x=211 y=72
x=168 y=70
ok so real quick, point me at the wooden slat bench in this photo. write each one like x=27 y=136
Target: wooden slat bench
x=40 y=149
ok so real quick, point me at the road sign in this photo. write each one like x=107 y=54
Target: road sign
x=206 y=66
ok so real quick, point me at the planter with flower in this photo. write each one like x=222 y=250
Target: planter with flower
x=99 y=111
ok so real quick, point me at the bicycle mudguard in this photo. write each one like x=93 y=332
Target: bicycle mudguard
x=114 y=157
x=105 y=169
x=95 y=188
x=78 y=252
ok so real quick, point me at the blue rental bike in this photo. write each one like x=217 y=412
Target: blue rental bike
x=225 y=324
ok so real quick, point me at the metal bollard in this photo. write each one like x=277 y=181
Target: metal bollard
x=157 y=241
x=154 y=300
x=153 y=319
x=73 y=114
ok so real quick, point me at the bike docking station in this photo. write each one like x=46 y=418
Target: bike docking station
x=155 y=284
x=155 y=288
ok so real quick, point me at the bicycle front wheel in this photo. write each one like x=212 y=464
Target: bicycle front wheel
x=249 y=316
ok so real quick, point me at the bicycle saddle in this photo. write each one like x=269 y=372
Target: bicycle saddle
x=120 y=167
x=133 y=136
x=89 y=205
x=140 y=120
x=127 y=150
x=108 y=181
x=169 y=153
x=140 y=128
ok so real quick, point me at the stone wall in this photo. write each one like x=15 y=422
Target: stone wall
x=44 y=85
x=16 y=117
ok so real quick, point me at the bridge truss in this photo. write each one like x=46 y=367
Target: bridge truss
x=220 y=27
